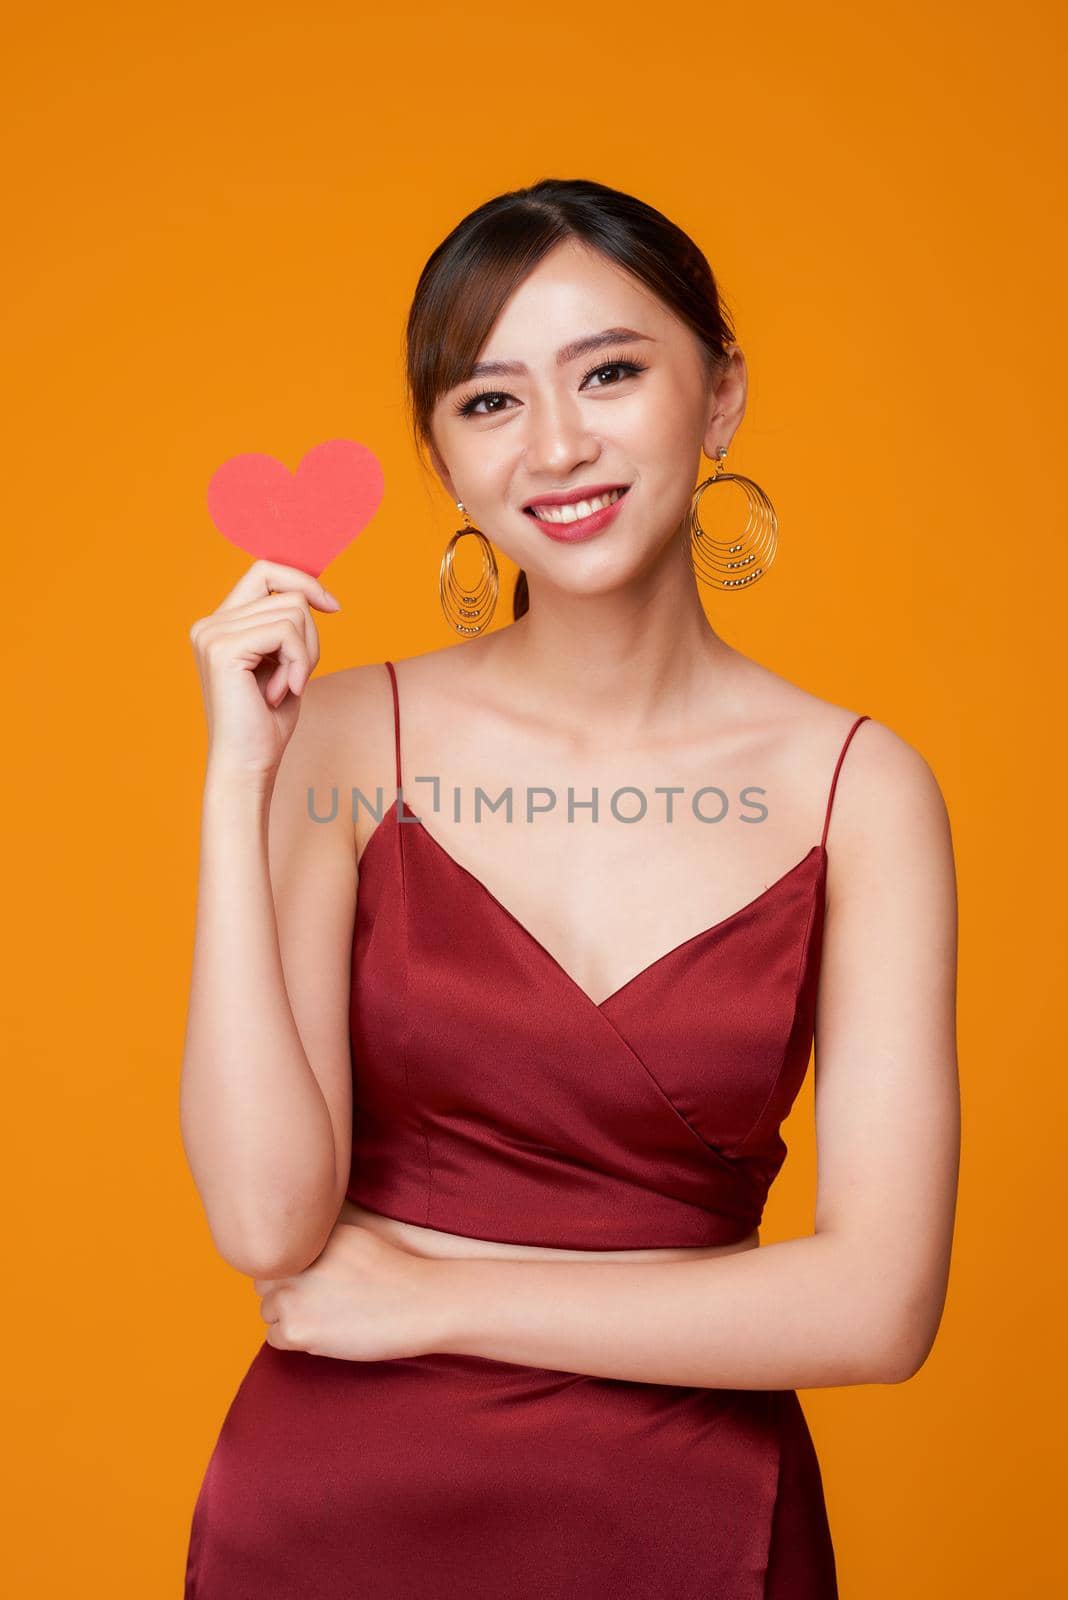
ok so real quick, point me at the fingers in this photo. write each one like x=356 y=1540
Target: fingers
x=282 y=635
x=294 y=610
x=268 y=1290
x=271 y=594
x=265 y=577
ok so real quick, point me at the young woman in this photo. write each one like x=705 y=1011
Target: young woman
x=493 y=1137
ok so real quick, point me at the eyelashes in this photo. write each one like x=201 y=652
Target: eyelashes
x=465 y=406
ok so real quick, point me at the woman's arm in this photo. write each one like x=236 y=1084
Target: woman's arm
x=860 y=1300
x=265 y=1097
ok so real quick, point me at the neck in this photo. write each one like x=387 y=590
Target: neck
x=620 y=660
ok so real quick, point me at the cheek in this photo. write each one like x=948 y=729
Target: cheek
x=484 y=466
x=664 y=447
x=663 y=428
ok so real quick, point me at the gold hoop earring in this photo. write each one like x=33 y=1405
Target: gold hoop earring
x=469 y=611
x=758 y=541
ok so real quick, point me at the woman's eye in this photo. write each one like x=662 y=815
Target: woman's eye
x=613 y=366
x=627 y=368
x=469 y=408
x=473 y=405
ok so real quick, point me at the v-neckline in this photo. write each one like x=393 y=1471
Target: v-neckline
x=817 y=850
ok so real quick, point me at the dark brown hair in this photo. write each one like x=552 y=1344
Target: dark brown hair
x=468 y=279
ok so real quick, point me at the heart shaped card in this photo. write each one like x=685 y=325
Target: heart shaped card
x=301 y=519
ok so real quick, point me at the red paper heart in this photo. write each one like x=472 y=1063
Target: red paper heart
x=300 y=519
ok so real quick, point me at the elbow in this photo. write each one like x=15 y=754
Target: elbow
x=264 y=1259
x=267 y=1266
x=898 y=1365
x=903 y=1349
x=280 y=1253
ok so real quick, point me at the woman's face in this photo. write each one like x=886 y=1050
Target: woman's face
x=562 y=420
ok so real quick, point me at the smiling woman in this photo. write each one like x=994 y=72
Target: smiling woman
x=491 y=1120
x=469 y=279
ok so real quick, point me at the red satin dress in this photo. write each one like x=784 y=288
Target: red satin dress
x=493 y=1098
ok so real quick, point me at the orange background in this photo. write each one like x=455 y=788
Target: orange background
x=216 y=218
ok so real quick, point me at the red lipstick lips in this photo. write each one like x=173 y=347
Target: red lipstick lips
x=585 y=491
x=582 y=527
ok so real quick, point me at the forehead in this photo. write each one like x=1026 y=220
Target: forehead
x=574 y=290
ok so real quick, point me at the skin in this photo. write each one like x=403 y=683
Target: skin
x=614 y=676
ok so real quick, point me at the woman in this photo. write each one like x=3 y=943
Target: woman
x=494 y=1138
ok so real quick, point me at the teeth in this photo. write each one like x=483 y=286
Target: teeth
x=577 y=510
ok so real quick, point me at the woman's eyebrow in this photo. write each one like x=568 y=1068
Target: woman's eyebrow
x=568 y=352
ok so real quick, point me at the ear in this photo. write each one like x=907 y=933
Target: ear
x=726 y=402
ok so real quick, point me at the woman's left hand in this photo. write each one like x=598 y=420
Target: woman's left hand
x=361 y=1299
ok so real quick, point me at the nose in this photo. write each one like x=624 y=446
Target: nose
x=558 y=436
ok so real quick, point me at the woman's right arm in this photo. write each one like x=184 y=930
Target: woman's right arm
x=265 y=1098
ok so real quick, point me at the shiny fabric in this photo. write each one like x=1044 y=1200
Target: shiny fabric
x=493 y=1098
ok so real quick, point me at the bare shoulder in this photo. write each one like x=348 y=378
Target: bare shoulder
x=337 y=704
x=888 y=814
x=888 y=806
x=436 y=677
x=346 y=726
x=889 y=822
x=883 y=781
x=346 y=695
x=356 y=703
x=349 y=734
x=350 y=705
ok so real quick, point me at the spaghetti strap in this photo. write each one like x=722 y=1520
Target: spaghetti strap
x=834 y=781
x=396 y=720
